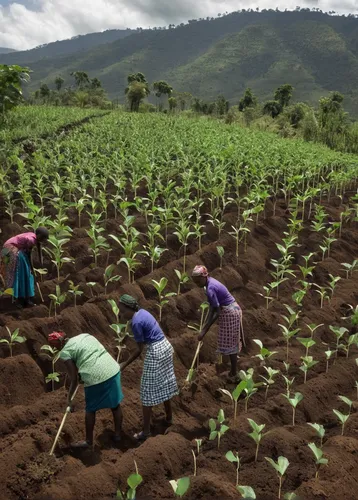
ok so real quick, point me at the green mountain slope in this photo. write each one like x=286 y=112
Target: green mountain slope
x=4 y=50
x=313 y=51
x=63 y=47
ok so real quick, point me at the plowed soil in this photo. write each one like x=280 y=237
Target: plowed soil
x=30 y=413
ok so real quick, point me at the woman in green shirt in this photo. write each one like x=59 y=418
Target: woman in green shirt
x=86 y=357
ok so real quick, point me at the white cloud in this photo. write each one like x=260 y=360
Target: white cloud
x=24 y=26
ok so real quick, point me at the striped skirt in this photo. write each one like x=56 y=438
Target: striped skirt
x=229 y=337
x=158 y=382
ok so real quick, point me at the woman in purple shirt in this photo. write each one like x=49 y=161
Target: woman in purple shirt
x=158 y=383
x=223 y=307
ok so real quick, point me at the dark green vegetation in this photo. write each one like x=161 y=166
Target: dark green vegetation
x=314 y=52
x=4 y=50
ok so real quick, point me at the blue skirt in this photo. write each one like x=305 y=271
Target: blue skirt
x=24 y=283
x=107 y=394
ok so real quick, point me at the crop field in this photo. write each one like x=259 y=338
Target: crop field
x=133 y=203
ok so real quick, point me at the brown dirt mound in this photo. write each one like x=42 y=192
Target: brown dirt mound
x=29 y=417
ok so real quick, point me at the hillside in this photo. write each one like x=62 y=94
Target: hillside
x=63 y=47
x=5 y=50
x=313 y=51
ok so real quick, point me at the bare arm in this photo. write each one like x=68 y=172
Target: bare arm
x=133 y=357
x=212 y=317
x=73 y=375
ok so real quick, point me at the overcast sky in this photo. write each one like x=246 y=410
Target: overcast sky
x=27 y=23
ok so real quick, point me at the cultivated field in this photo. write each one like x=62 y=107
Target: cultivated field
x=147 y=197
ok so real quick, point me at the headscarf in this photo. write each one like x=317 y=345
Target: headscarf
x=129 y=301
x=54 y=336
x=200 y=271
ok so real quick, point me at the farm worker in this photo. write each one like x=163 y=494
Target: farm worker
x=223 y=307
x=17 y=267
x=84 y=355
x=158 y=383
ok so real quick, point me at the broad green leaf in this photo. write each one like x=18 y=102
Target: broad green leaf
x=246 y=492
x=134 y=481
x=231 y=457
x=238 y=390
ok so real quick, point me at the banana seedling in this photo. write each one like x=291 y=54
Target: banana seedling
x=328 y=354
x=307 y=363
x=307 y=343
x=294 y=403
x=281 y=468
x=14 y=338
x=246 y=492
x=342 y=418
x=133 y=481
x=322 y=292
x=339 y=333
x=162 y=297
x=75 y=291
x=180 y=486
x=251 y=387
x=221 y=252
x=234 y=459
x=318 y=455
x=182 y=277
x=352 y=340
x=217 y=427
x=110 y=277
x=256 y=434
x=264 y=352
x=57 y=299
x=54 y=355
x=234 y=396
x=313 y=327
x=269 y=380
x=289 y=384
x=320 y=430
x=267 y=295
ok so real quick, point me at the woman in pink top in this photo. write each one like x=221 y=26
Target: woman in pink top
x=223 y=307
x=16 y=264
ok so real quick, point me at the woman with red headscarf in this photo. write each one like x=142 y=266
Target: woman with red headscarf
x=86 y=357
x=223 y=307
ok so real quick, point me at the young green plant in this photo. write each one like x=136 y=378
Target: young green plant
x=281 y=468
x=256 y=434
x=14 y=338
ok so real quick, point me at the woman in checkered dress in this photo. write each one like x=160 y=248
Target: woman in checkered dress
x=223 y=307
x=158 y=383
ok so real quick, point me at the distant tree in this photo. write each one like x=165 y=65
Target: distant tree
x=284 y=94
x=59 y=81
x=81 y=79
x=249 y=100
x=272 y=108
x=173 y=103
x=44 y=91
x=136 y=77
x=296 y=113
x=11 y=79
x=222 y=105
x=197 y=105
x=184 y=99
x=95 y=83
x=162 y=88
x=137 y=90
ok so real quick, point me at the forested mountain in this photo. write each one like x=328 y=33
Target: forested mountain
x=4 y=50
x=63 y=47
x=313 y=51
